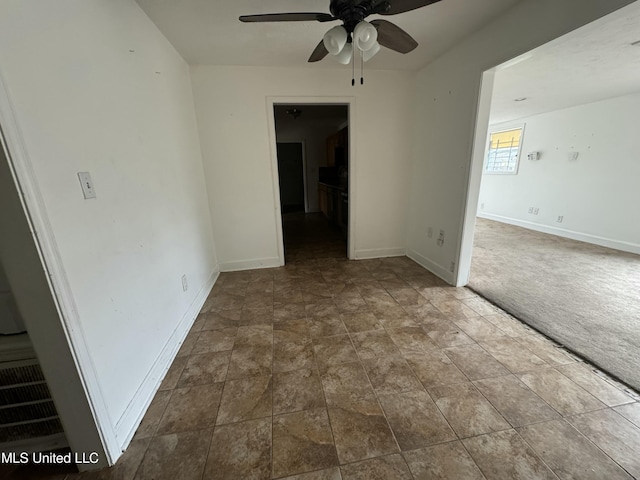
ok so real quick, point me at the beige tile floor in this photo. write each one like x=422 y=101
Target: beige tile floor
x=332 y=369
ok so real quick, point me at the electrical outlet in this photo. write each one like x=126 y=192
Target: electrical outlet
x=452 y=267
x=441 y=238
x=430 y=232
x=560 y=218
x=530 y=209
x=185 y=285
x=482 y=206
x=536 y=210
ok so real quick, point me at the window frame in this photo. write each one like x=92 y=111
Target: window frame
x=516 y=167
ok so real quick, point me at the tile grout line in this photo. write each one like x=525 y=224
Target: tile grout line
x=594 y=443
x=376 y=394
x=326 y=405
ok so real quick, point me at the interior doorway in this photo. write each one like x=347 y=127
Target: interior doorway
x=313 y=164
x=552 y=244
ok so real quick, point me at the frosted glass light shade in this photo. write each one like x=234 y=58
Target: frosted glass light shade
x=335 y=40
x=344 y=57
x=369 y=54
x=365 y=36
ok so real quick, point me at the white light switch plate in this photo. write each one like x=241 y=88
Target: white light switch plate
x=87 y=185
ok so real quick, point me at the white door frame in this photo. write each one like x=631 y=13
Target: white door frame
x=350 y=102
x=59 y=345
x=465 y=244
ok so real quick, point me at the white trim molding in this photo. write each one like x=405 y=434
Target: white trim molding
x=473 y=180
x=369 y=253
x=253 y=264
x=563 y=232
x=350 y=102
x=433 y=267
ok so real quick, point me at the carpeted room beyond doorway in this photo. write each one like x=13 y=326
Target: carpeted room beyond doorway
x=583 y=296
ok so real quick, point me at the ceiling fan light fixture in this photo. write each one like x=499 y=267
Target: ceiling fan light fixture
x=369 y=54
x=344 y=57
x=365 y=36
x=335 y=40
x=354 y=35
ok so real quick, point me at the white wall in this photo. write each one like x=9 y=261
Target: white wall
x=231 y=105
x=313 y=132
x=597 y=194
x=93 y=86
x=446 y=107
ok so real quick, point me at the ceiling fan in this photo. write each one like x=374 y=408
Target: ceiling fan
x=367 y=36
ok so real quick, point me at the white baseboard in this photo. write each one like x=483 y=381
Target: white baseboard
x=432 y=266
x=250 y=264
x=562 y=232
x=380 y=253
x=128 y=423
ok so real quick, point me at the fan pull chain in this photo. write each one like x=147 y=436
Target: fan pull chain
x=361 y=67
x=353 y=70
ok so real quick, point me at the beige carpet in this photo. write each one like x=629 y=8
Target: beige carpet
x=583 y=296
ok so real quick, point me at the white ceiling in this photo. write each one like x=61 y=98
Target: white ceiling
x=209 y=32
x=592 y=63
x=587 y=65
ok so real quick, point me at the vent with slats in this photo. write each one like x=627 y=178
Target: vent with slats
x=26 y=408
x=19 y=374
x=26 y=412
x=42 y=428
x=24 y=393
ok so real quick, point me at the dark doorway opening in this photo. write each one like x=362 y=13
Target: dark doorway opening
x=291 y=177
x=312 y=144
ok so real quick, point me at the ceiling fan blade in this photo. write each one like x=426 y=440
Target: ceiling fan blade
x=319 y=53
x=401 y=6
x=288 y=17
x=392 y=36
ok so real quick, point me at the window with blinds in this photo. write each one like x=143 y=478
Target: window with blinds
x=504 y=151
